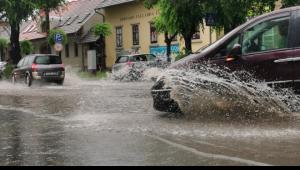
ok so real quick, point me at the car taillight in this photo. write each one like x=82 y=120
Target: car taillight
x=129 y=64
x=34 y=67
x=63 y=67
x=229 y=59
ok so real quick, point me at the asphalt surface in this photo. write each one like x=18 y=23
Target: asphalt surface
x=113 y=123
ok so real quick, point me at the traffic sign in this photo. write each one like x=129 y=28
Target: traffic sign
x=211 y=19
x=58 y=38
x=58 y=47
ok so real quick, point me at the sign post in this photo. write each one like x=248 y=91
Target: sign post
x=58 y=42
x=211 y=20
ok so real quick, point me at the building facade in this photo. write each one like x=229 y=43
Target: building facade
x=134 y=32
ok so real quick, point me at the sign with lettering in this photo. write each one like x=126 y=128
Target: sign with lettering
x=139 y=16
x=162 y=50
x=58 y=38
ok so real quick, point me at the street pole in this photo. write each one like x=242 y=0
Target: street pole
x=210 y=36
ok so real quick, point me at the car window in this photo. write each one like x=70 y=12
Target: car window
x=123 y=59
x=269 y=35
x=151 y=57
x=225 y=50
x=26 y=61
x=47 y=60
x=20 y=64
x=140 y=58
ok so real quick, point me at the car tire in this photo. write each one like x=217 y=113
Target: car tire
x=60 y=82
x=28 y=80
x=13 y=79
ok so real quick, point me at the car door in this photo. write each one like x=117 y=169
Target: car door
x=18 y=70
x=296 y=44
x=266 y=49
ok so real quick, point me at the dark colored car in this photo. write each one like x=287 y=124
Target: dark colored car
x=267 y=46
x=44 y=67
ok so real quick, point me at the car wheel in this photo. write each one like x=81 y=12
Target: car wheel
x=60 y=82
x=28 y=80
x=14 y=80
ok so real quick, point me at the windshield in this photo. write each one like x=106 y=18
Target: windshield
x=47 y=60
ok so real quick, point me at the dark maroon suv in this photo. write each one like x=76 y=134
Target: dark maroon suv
x=268 y=46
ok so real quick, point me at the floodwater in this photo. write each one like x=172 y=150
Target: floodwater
x=110 y=122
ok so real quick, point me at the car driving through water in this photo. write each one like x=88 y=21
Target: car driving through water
x=42 y=67
x=133 y=66
x=267 y=46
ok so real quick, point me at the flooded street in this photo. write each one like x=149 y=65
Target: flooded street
x=113 y=123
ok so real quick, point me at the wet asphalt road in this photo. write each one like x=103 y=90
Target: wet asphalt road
x=113 y=123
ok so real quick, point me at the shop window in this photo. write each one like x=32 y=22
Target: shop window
x=119 y=37
x=153 y=33
x=136 y=34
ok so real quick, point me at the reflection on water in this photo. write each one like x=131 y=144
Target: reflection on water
x=108 y=122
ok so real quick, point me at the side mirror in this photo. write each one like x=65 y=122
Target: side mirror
x=235 y=53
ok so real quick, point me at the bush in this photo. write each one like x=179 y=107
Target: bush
x=8 y=71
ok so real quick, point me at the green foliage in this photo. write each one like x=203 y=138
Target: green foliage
x=26 y=47
x=102 y=29
x=51 y=37
x=232 y=13
x=8 y=71
x=3 y=43
x=290 y=3
x=178 y=16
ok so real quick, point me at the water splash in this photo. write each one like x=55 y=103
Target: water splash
x=210 y=92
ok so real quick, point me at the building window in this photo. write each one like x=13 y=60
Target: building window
x=196 y=36
x=136 y=34
x=67 y=51
x=119 y=37
x=153 y=33
x=76 y=49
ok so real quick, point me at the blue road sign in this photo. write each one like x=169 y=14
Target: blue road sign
x=211 y=19
x=58 y=38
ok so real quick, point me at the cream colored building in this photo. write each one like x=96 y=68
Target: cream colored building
x=133 y=31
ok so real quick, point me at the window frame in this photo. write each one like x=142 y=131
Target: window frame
x=273 y=17
x=153 y=30
x=135 y=34
x=119 y=37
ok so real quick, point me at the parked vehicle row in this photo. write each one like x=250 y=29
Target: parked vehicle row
x=267 y=46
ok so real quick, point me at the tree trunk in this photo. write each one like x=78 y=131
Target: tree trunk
x=188 y=44
x=2 y=54
x=47 y=25
x=168 y=42
x=15 y=44
x=103 y=55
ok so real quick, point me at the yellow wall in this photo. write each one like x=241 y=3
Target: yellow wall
x=135 y=13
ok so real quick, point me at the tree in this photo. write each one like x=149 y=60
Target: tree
x=3 y=45
x=182 y=16
x=26 y=47
x=47 y=6
x=290 y=3
x=228 y=18
x=169 y=36
x=15 y=12
x=102 y=30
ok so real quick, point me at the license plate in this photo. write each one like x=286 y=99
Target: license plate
x=51 y=74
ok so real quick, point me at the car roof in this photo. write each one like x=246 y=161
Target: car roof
x=133 y=55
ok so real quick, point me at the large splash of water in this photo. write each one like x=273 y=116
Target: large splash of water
x=209 y=92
